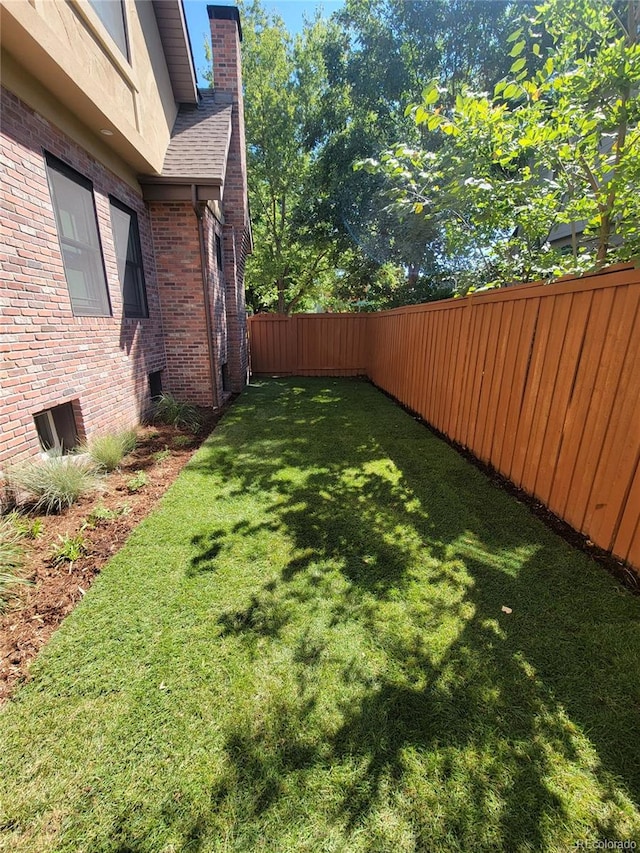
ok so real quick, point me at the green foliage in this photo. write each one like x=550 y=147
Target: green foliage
x=137 y=482
x=30 y=528
x=11 y=556
x=69 y=549
x=168 y=410
x=101 y=514
x=284 y=78
x=51 y=485
x=162 y=455
x=556 y=144
x=377 y=60
x=108 y=451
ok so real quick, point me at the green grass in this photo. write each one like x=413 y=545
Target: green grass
x=303 y=649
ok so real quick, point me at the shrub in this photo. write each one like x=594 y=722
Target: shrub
x=168 y=410
x=52 y=484
x=70 y=549
x=137 y=482
x=11 y=556
x=108 y=451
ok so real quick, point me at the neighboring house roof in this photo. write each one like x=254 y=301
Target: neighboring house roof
x=199 y=146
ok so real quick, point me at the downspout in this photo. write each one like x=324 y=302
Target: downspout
x=205 y=292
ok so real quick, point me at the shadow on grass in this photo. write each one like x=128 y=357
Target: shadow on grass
x=398 y=540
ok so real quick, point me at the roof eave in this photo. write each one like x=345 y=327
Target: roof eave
x=176 y=44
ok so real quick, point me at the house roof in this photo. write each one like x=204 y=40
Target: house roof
x=199 y=145
x=176 y=44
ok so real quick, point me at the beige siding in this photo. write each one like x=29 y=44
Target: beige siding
x=64 y=47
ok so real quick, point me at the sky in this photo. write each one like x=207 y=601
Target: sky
x=292 y=13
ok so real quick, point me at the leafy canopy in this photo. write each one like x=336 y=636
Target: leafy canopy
x=557 y=143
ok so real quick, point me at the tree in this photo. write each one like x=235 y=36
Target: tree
x=293 y=262
x=559 y=144
x=376 y=62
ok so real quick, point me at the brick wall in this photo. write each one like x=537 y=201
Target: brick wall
x=227 y=76
x=177 y=250
x=48 y=356
x=217 y=299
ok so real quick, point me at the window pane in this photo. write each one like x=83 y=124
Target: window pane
x=79 y=241
x=111 y=13
x=45 y=435
x=126 y=236
x=120 y=221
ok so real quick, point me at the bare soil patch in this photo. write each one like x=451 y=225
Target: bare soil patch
x=35 y=611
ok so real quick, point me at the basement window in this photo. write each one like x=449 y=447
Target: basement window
x=57 y=429
x=226 y=382
x=219 y=252
x=155 y=384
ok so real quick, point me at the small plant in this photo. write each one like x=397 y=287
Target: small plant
x=108 y=451
x=98 y=514
x=11 y=557
x=162 y=455
x=137 y=482
x=30 y=528
x=168 y=410
x=52 y=484
x=35 y=528
x=70 y=549
x=104 y=514
x=181 y=441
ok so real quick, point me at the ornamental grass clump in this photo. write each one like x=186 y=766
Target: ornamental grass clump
x=11 y=556
x=168 y=410
x=52 y=484
x=108 y=451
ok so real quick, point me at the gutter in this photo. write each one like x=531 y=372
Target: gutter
x=198 y=210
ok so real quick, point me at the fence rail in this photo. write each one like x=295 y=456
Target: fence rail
x=540 y=381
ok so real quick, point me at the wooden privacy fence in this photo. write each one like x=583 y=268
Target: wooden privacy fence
x=542 y=382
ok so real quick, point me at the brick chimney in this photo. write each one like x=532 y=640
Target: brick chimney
x=226 y=36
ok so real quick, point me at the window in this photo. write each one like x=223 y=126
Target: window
x=57 y=428
x=111 y=13
x=75 y=212
x=155 y=384
x=126 y=236
x=219 y=252
x=226 y=383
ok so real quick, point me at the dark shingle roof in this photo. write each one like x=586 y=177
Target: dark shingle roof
x=200 y=140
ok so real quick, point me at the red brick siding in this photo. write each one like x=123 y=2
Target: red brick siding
x=177 y=249
x=217 y=299
x=48 y=356
x=227 y=76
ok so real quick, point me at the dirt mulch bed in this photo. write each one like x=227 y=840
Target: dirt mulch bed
x=35 y=611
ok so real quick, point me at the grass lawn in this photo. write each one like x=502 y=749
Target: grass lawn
x=303 y=649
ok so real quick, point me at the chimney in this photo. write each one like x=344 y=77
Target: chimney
x=226 y=35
